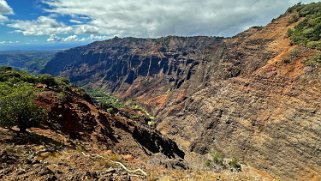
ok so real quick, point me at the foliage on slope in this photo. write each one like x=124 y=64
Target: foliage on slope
x=308 y=30
x=18 y=91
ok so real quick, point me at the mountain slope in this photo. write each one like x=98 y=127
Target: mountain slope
x=31 y=61
x=254 y=96
x=75 y=126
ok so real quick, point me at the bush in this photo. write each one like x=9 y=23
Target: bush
x=47 y=79
x=235 y=164
x=314 y=44
x=294 y=54
x=219 y=162
x=111 y=110
x=290 y=32
x=314 y=61
x=308 y=31
x=218 y=158
x=18 y=108
x=295 y=8
x=293 y=19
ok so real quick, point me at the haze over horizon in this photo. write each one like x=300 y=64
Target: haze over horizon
x=60 y=24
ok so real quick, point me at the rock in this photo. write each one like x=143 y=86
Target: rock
x=128 y=157
x=108 y=171
x=45 y=171
x=7 y=158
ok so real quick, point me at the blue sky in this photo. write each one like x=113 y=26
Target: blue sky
x=58 y=24
x=31 y=10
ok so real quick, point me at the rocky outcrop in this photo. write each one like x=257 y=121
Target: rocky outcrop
x=74 y=115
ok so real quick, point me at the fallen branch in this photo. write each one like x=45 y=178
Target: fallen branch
x=131 y=171
x=123 y=166
x=85 y=154
x=92 y=155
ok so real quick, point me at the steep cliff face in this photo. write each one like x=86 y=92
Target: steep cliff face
x=269 y=117
x=157 y=71
x=118 y=63
x=252 y=96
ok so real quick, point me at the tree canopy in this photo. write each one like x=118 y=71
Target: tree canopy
x=17 y=106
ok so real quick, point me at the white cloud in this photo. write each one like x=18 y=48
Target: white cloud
x=103 y=19
x=75 y=38
x=98 y=37
x=71 y=38
x=5 y=9
x=42 y=26
x=76 y=21
x=53 y=38
x=8 y=42
x=146 y=18
x=86 y=29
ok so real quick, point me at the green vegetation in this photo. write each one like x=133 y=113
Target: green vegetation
x=150 y=123
x=218 y=158
x=314 y=61
x=308 y=30
x=218 y=161
x=107 y=101
x=17 y=100
x=151 y=119
x=112 y=105
x=111 y=110
x=31 y=61
x=290 y=57
x=18 y=92
x=294 y=18
x=17 y=106
x=235 y=164
x=9 y=75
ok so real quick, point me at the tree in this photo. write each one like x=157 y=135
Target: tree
x=18 y=108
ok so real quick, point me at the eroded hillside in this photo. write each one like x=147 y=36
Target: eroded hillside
x=77 y=140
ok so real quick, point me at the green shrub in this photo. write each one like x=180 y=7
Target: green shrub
x=62 y=97
x=111 y=110
x=290 y=32
x=295 y=8
x=150 y=123
x=293 y=19
x=18 y=108
x=207 y=163
x=47 y=79
x=308 y=31
x=218 y=158
x=217 y=161
x=314 y=44
x=235 y=164
x=294 y=54
x=314 y=61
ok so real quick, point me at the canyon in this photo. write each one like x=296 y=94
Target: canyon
x=252 y=96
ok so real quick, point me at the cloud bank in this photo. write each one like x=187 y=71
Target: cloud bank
x=42 y=26
x=148 y=18
x=5 y=9
x=99 y=19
